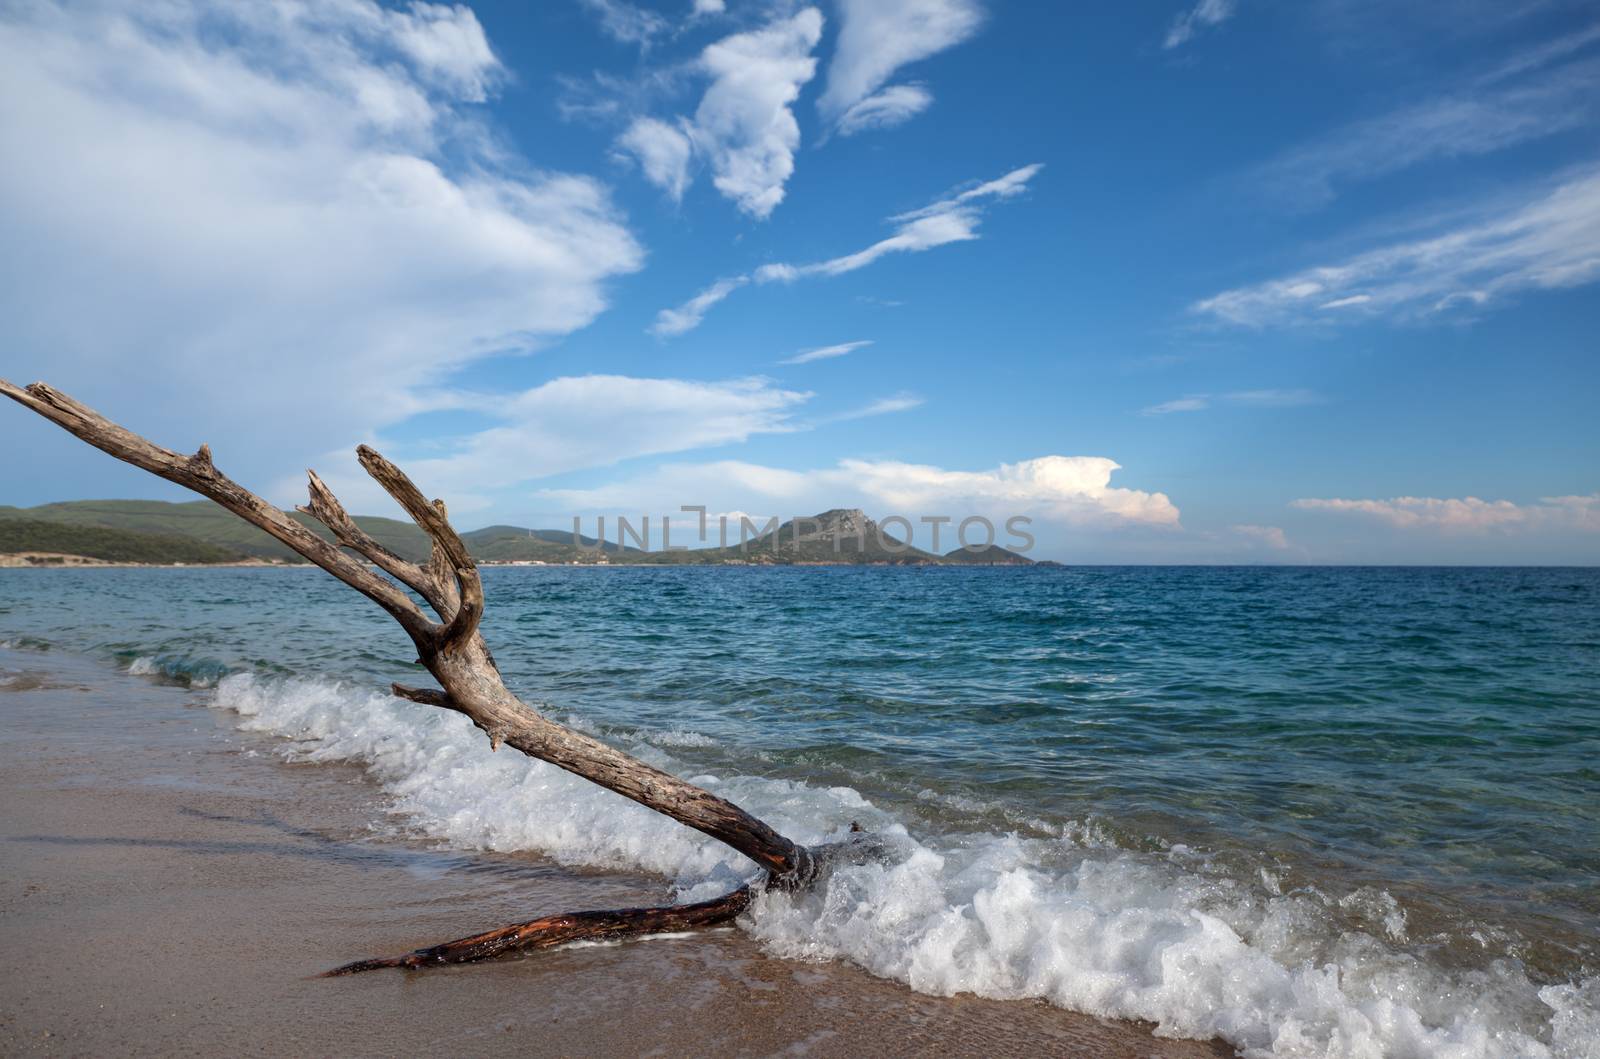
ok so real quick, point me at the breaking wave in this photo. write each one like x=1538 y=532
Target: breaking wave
x=1074 y=920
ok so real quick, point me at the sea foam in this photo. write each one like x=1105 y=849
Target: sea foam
x=1073 y=920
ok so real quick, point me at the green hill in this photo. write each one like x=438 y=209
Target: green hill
x=989 y=555
x=112 y=545
x=206 y=522
x=842 y=535
x=501 y=544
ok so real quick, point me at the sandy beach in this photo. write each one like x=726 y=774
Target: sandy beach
x=169 y=884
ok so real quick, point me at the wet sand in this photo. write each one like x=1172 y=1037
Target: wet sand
x=168 y=884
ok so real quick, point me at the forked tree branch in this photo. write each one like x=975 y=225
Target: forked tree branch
x=454 y=652
x=200 y=474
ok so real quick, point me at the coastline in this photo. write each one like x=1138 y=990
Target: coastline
x=176 y=885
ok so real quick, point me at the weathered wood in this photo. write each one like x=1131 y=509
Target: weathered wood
x=453 y=650
x=551 y=931
x=563 y=929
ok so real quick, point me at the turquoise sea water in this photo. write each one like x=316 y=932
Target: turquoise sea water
x=1380 y=782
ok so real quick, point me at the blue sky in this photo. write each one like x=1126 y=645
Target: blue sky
x=1226 y=282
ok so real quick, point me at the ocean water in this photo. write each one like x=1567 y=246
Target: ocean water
x=1314 y=812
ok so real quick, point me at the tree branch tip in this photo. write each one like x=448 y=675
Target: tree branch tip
x=424 y=696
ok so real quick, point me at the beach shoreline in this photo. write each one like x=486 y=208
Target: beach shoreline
x=175 y=886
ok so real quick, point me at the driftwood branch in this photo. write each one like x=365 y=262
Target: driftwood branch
x=200 y=474
x=453 y=650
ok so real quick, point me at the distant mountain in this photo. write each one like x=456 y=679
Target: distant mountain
x=501 y=544
x=988 y=555
x=842 y=535
x=21 y=535
x=839 y=536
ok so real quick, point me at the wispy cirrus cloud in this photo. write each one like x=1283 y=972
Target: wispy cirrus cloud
x=1199 y=402
x=1536 y=95
x=1196 y=402
x=1546 y=241
x=744 y=127
x=1203 y=15
x=876 y=39
x=806 y=356
x=687 y=317
x=628 y=23
x=1469 y=514
x=577 y=423
x=950 y=220
x=900 y=402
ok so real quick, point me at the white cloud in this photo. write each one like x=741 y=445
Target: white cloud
x=710 y=7
x=1193 y=403
x=1470 y=514
x=885 y=109
x=240 y=221
x=1197 y=402
x=1203 y=14
x=628 y=23
x=663 y=153
x=1270 y=536
x=1549 y=241
x=951 y=220
x=877 y=38
x=444 y=42
x=806 y=356
x=687 y=316
x=583 y=422
x=1492 y=114
x=900 y=402
x=744 y=124
x=1066 y=490
x=1009 y=186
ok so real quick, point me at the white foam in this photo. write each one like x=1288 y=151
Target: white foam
x=1072 y=920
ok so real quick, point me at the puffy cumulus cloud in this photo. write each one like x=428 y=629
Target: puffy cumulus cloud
x=1068 y=490
x=1470 y=514
x=744 y=124
x=663 y=152
x=877 y=38
x=240 y=223
x=1544 y=242
x=950 y=220
x=744 y=127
